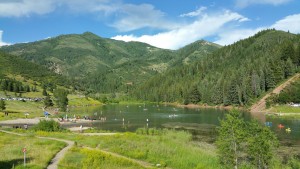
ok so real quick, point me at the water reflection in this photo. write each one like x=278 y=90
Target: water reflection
x=117 y=117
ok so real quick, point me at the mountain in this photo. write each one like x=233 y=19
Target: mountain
x=14 y=66
x=105 y=65
x=233 y=75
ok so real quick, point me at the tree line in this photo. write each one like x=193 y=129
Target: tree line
x=233 y=75
x=13 y=85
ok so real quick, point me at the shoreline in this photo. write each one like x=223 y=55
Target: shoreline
x=33 y=121
x=204 y=106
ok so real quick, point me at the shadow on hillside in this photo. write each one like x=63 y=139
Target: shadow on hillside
x=12 y=163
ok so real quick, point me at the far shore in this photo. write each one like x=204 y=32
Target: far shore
x=205 y=106
x=33 y=121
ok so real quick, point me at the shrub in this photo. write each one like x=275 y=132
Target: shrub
x=47 y=125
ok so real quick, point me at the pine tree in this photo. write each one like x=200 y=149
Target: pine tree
x=15 y=88
x=61 y=99
x=48 y=102
x=231 y=135
x=288 y=51
x=3 y=85
x=45 y=92
x=27 y=88
x=2 y=105
x=233 y=95
x=261 y=144
x=289 y=69
x=194 y=96
x=270 y=79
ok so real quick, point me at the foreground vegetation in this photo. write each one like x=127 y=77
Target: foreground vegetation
x=92 y=158
x=164 y=148
x=170 y=148
x=39 y=151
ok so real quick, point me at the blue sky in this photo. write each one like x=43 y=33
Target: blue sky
x=167 y=24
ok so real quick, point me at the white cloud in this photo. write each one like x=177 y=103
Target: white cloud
x=198 y=12
x=139 y=16
x=230 y=36
x=1 y=42
x=18 y=8
x=290 y=23
x=207 y=25
x=245 y=3
x=124 y=17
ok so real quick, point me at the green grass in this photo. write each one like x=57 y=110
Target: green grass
x=78 y=101
x=17 y=109
x=174 y=149
x=285 y=109
x=284 y=112
x=86 y=158
x=39 y=151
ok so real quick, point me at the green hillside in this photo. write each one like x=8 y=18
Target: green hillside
x=13 y=66
x=233 y=75
x=106 y=65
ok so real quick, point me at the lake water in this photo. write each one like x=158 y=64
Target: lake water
x=119 y=117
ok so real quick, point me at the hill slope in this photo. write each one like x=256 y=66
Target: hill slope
x=235 y=74
x=13 y=66
x=105 y=65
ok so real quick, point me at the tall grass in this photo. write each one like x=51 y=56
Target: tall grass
x=173 y=148
x=170 y=148
x=86 y=159
x=39 y=151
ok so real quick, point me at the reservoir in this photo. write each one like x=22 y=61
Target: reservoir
x=122 y=118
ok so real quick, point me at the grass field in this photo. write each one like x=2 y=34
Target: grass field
x=39 y=151
x=285 y=109
x=87 y=158
x=174 y=149
x=78 y=101
x=17 y=109
x=284 y=112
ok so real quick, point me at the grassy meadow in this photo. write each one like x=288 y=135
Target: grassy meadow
x=284 y=109
x=17 y=109
x=88 y=158
x=170 y=148
x=39 y=151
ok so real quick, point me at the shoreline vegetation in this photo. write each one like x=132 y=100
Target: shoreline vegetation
x=166 y=148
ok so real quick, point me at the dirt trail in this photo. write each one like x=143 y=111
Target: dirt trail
x=260 y=106
x=54 y=162
x=142 y=163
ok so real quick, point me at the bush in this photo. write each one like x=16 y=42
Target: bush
x=148 y=131
x=47 y=125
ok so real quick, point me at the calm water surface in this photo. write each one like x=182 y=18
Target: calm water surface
x=121 y=117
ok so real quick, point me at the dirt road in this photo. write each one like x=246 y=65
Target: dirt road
x=260 y=106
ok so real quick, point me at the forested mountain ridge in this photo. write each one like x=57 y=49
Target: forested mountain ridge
x=233 y=75
x=14 y=66
x=98 y=64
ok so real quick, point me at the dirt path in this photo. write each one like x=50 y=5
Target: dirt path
x=260 y=106
x=142 y=163
x=54 y=162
